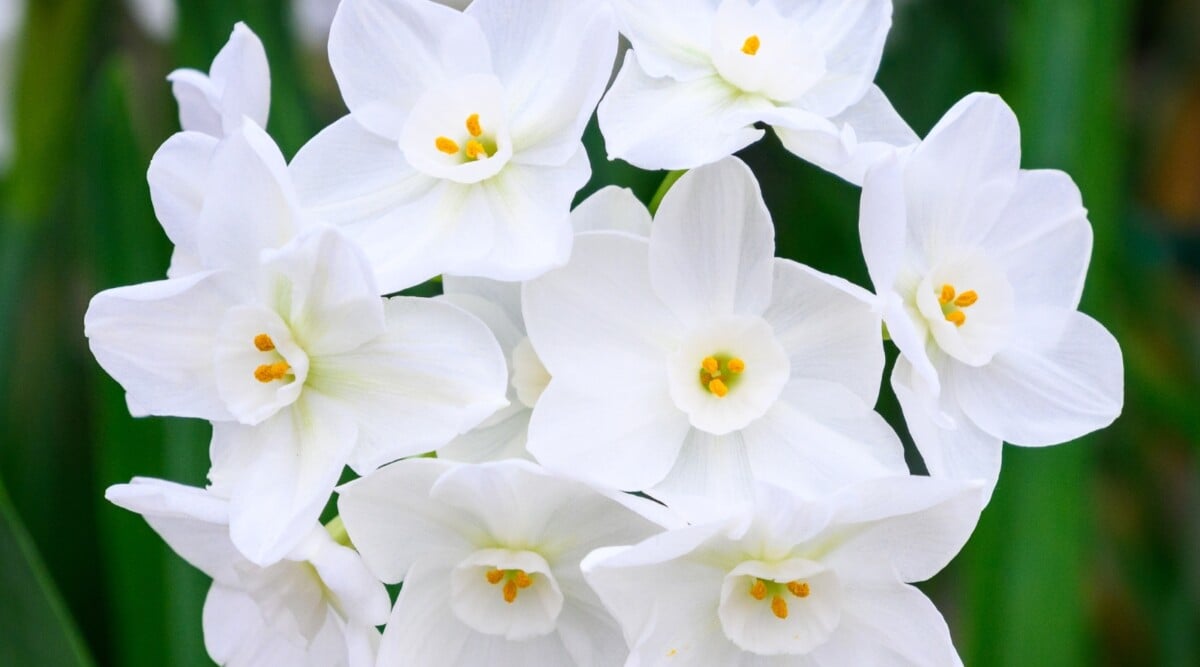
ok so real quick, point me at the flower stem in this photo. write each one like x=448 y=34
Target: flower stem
x=668 y=181
x=337 y=530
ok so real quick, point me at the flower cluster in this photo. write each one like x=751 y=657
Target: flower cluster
x=619 y=436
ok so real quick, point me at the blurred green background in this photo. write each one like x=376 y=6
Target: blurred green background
x=1089 y=553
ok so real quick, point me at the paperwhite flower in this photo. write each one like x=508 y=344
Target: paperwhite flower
x=311 y=18
x=317 y=607
x=979 y=266
x=702 y=73
x=498 y=304
x=302 y=368
x=12 y=17
x=794 y=582
x=238 y=85
x=489 y=555
x=695 y=361
x=462 y=151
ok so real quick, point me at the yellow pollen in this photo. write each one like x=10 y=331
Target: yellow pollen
x=270 y=372
x=264 y=343
x=779 y=607
x=758 y=590
x=494 y=576
x=750 y=46
x=446 y=145
x=522 y=580
x=958 y=317
x=473 y=125
x=967 y=298
x=798 y=588
x=510 y=591
x=947 y=295
x=711 y=365
x=717 y=387
x=475 y=150
x=736 y=365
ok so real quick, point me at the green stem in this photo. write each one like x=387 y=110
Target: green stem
x=337 y=530
x=668 y=181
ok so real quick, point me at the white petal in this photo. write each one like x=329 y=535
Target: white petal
x=1053 y=385
x=905 y=526
x=298 y=456
x=192 y=521
x=1044 y=239
x=852 y=35
x=712 y=245
x=241 y=74
x=323 y=287
x=234 y=628
x=960 y=178
x=819 y=437
x=356 y=592
x=554 y=59
x=888 y=624
x=672 y=36
x=494 y=440
x=667 y=124
x=156 y=339
x=597 y=317
x=385 y=54
x=177 y=176
x=864 y=134
x=250 y=203
x=502 y=312
x=829 y=331
x=199 y=102
x=883 y=222
x=951 y=445
x=715 y=467
x=611 y=208
x=528 y=208
x=393 y=523
x=433 y=374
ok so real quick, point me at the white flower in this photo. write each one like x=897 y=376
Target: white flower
x=793 y=582
x=489 y=555
x=302 y=368
x=702 y=73
x=222 y=201
x=462 y=151
x=317 y=607
x=979 y=266
x=696 y=360
x=238 y=85
x=311 y=18
x=498 y=304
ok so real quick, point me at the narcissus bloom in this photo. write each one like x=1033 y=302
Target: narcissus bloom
x=489 y=554
x=317 y=607
x=498 y=304
x=979 y=266
x=784 y=581
x=702 y=73
x=694 y=361
x=302 y=367
x=462 y=151
x=238 y=85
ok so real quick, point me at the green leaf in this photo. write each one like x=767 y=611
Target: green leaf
x=35 y=628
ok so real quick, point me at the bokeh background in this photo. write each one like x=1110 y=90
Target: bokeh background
x=1089 y=553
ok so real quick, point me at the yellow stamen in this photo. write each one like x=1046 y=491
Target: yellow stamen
x=750 y=46
x=510 y=591
x=475 y=150
x=523 y=580
x=473 y=125
x=947 y=295
x=958 y=317
x=711 y=365
x=264 y=343
x=779 y=607
x=269 y=372
x=736 y=365
x=494 y=576
x=799 y=588
x=717 y=387
x=446 y=145
x=758 y=590
x=967 y=298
